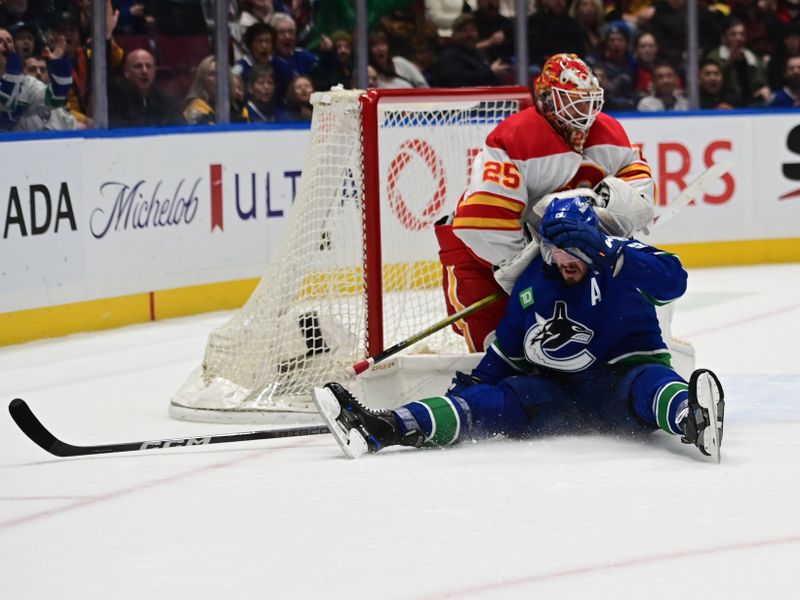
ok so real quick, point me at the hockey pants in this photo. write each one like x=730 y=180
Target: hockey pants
x=625 y=399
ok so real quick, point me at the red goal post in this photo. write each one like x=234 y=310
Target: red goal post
x=372 y=102
x=357 y=267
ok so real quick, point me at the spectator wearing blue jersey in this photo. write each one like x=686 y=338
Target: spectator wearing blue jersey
x=789 y=46
x=23 y=96
x=259 y=40
x=288 y=61
x=262 y=105
x=789 y=95
x=578 y=350
x=56 y=119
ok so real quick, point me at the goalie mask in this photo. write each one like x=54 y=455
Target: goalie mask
x=569 y=96
x=574 y=208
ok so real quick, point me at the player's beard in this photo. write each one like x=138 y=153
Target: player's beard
x=573 y=273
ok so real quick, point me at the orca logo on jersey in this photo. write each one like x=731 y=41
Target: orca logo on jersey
x=550 y=343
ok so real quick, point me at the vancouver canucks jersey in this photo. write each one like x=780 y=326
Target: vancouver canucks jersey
x=608 y=318
x=24 y=96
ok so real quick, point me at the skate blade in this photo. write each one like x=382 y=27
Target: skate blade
x=708 y=395
x=350 y=441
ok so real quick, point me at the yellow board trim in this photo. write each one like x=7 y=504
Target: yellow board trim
x=196 y=299
x=729 y=254
x=93 y=315
x=54 y=321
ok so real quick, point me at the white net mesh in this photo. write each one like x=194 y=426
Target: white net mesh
x=307 y=320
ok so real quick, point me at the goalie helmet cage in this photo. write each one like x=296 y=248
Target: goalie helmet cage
x=357 y=267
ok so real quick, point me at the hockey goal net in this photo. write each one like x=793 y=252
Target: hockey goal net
x=357 y=268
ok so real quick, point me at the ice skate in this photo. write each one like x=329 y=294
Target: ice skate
x=702 y=426
x=357 y=429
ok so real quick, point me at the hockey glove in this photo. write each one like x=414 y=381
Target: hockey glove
x=621 y=208
x=592 y=245
x=460 y=382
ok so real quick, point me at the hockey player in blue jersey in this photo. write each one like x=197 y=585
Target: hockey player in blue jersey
x=579 y=349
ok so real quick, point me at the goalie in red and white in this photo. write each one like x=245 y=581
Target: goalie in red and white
x=563 y=142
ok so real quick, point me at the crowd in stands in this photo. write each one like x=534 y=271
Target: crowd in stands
x=162 y=71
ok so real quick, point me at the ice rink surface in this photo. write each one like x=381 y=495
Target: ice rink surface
x=569 y=517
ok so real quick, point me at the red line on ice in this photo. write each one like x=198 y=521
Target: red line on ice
x=89 y=500
x=743 y=320
x=622 y=564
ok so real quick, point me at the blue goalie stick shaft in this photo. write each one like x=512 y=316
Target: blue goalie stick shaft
x=31 y=426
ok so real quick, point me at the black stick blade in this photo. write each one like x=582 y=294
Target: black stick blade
x=33 y=428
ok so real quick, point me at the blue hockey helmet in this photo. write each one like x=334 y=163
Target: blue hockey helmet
x=574 y=207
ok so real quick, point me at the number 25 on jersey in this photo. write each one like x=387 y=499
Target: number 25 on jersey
x=505 y=174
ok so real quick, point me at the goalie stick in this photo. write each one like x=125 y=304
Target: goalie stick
x=697 y=186
x=367 y=363
x=32 y=427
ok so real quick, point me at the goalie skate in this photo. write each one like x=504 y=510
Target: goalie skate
x=702 y=426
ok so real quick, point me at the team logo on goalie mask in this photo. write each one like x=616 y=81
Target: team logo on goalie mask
x=559 y=342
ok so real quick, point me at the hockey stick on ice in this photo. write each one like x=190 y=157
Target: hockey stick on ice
x=367 y=363
x=38 y=434
x=697 y=186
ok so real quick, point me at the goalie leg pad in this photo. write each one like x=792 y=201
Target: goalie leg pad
x=465 y=281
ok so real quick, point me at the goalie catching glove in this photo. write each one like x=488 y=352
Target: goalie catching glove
x=621 y=208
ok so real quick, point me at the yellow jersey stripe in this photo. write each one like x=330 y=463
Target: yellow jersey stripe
x=490 y=200
x=477 y=223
